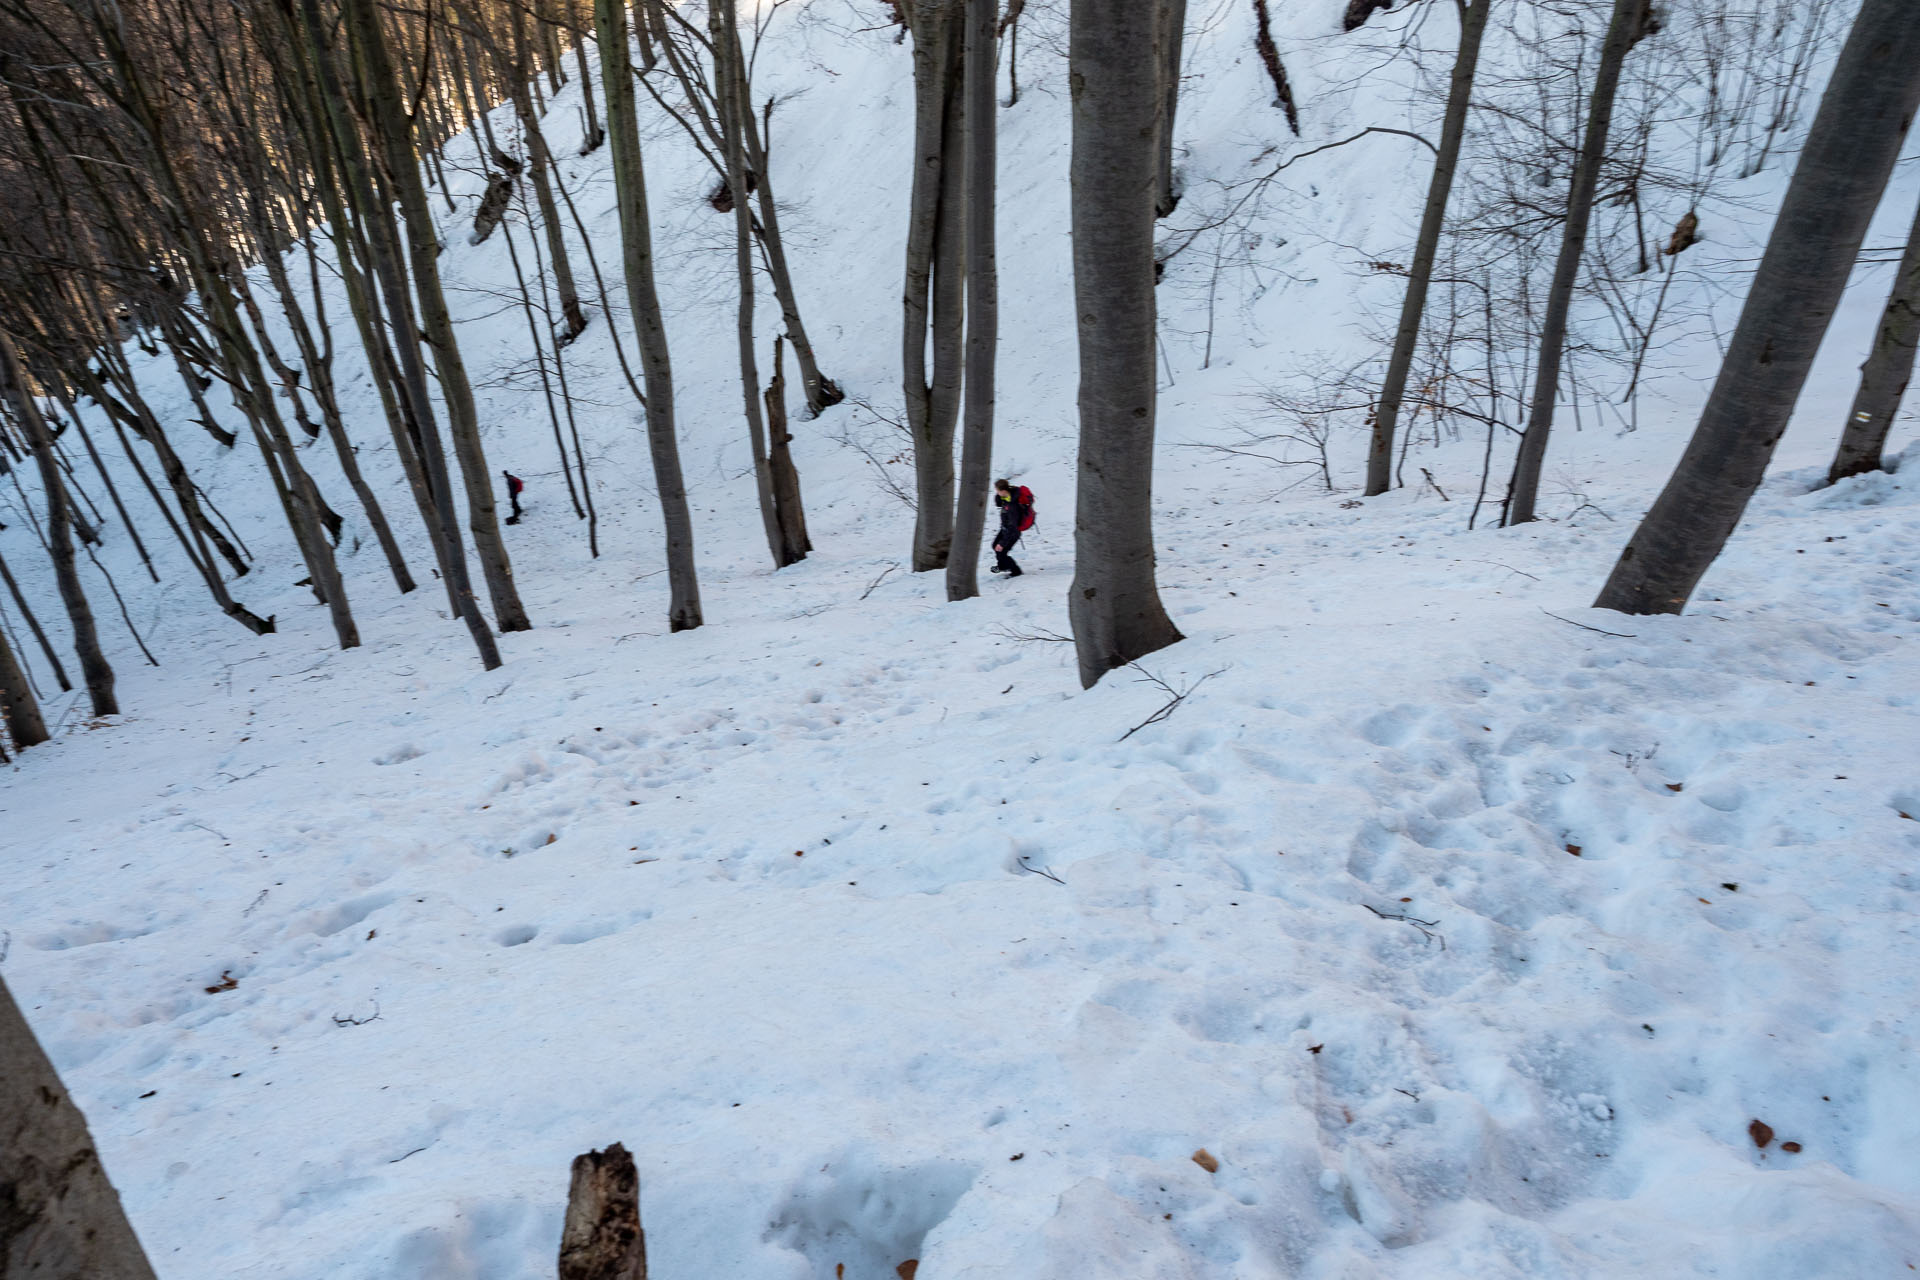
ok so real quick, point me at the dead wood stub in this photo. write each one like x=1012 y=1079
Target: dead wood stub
x=602 y=1239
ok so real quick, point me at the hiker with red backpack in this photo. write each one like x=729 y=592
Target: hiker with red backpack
x=1016 y=517
x=514 y=485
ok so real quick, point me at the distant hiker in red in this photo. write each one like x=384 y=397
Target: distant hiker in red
x=514 y=486
x=1016 y=517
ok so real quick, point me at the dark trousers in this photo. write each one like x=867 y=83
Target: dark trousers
x=1003 y=542
x=514 y=498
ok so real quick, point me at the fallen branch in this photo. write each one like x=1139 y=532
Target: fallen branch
x=1174 y=696
x=1038 y=633
x=1038 y=871
x=1617 y=635
x=877 y=581
x=351 y=1021
x=1429 y=929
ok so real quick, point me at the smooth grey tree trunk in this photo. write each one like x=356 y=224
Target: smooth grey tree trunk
x=785 y=476
x=636 y=241
x=1623 y=32
x=19 y=709
x=1406 y=338
x=723 y=30
x=1864 y=118
x=60 y=1219
x=1114 y=67
x=394 y=133
x=383 y=254
x=543 y=173
x=1886 y=372
x=983 y=301
x=94 y=669
x=1173 y=34
x=932 y=301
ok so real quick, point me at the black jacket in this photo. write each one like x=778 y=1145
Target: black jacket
x=1013 y=514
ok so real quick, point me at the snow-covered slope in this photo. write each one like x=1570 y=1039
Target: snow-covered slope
x=1466 y=939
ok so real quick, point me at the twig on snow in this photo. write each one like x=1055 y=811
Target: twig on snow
x=1038 y=871
x=351 y=1021
x=1429 y=929
x=1174 y=696
x=1617 y=635
x=1038 y=633
x=877 y=581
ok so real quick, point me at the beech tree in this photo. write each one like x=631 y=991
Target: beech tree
x=1116 y=70
x=636 y=244
x=1886 y=372
x=983 y=302
x=1406 y=337
x=1632 y=21
x=1850 y=151
x=59 y=1216
x=19 y=710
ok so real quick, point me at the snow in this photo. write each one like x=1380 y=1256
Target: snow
x=866 y=931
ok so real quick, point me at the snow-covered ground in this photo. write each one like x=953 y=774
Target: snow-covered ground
x=1467 y=939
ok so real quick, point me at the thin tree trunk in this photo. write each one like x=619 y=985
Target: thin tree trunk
x=19 y=710
x=64 y=1220
x=383 y=253
x=726 y=51
x=1115 y=70
x=636 y=242
x=1173 y=34
x=86 y=638
x=541 y=170
x=33 y=624
x=594 y=134
x=1406 y=338
x=983 y=300
x=1849 y=153
x=390 y=125
x=785 y=476
x=1630 y=18
x=1886 y=372
x=822 y=392
x=932 y=405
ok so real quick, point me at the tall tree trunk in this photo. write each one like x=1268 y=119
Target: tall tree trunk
x=383 y=253
x=594 y=135
x=1886 y=372
x=821 y=391
x=1173 y=34
x=63 y=1219
x=636 y=244
x=1856 y=137
x=94 y=669
x=541 y=169
x=983 y=301
x=1406 y=338
x=33 y=625
x=931 y=298
x=391 y=127
x=723 y=32
x=786 y=477
x=19 y=710
x=1630 y=20
x=1115 y=69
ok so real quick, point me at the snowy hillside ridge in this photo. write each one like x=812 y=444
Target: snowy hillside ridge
x=1467 y=929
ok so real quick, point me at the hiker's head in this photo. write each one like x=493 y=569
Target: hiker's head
x=1003 y=486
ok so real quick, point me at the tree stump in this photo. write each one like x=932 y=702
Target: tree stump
x=602 y=1239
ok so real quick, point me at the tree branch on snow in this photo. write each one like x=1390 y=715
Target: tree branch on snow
x=1174 y=696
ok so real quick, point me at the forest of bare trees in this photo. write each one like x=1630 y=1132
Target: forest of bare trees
x=183 y=177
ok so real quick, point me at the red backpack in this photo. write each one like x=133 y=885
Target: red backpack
x=1024 y=496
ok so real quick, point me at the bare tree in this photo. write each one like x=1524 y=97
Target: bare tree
x=1849 y=153
x=19 y=709
x=636 y=241
x=1116 y=70
x=1466 y=61
x=62 y=1219
x=934 y=296
x=1886 y=372
x=983 y=301
x=1632 y=21
x=94 y=668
